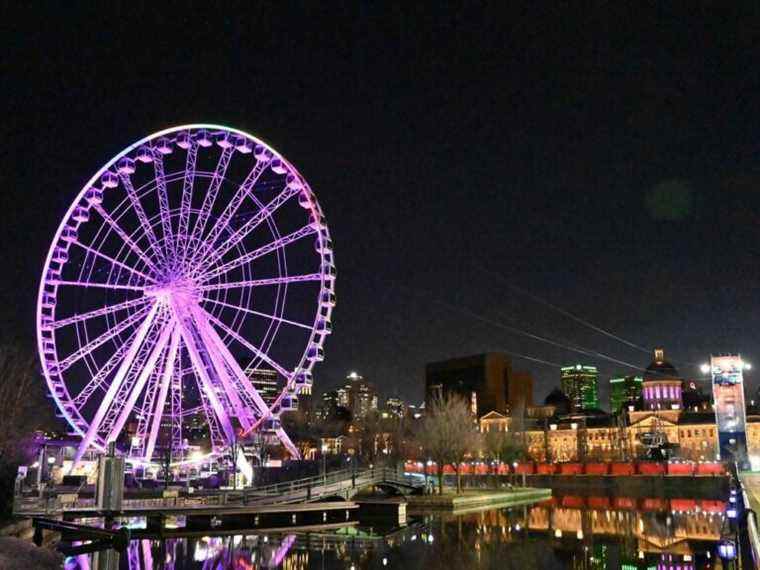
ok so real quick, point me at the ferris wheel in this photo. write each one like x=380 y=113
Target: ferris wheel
x=192 y=260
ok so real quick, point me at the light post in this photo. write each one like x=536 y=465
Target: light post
x=324 y=461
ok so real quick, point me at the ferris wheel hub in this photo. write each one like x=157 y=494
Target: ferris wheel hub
x=181 y=291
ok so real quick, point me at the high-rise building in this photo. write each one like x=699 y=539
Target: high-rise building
x=266 y=382
x=519 y=391
x=328 y=404
x=624 y=392
x=361 y=396
x=341 y=395
x=485 y=381
x=663 y=387
x=580 y=383
x=730 y=414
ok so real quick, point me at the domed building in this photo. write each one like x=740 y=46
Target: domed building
x=559 y=401
x=663 y=387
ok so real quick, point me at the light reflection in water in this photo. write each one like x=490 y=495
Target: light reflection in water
x=565 y=532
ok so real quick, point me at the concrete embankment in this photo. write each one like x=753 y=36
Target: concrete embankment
x=471 y=498
x=703 y=487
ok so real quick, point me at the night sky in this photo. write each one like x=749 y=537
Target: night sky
x=470 y=162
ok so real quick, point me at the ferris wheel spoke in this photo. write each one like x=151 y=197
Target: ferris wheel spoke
x=232 y=206
x=215 y=431
x=140 y=212
x=201 y=372
x=115 y=385
x=259 y=252
x=176 y=406
x=214 y=340
x=163 y=201
x=103 y=311
x=187 y=198
x=210 y=197
x=241 y=412
x=254 y=350
x=248 y=227
x=66 y=363
x=166 y=377
x=113 y=261
x=262 y=282
x=287 y=442
x=125 y=237
x=259 y=314
x=100 y=376
x=145 y=372
x=116 y=286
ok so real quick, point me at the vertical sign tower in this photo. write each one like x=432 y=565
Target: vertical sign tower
x=728 y=394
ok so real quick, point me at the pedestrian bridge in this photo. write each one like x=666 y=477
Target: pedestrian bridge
x=343 y=484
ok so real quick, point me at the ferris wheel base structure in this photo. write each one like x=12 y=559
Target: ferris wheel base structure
x=193 y=256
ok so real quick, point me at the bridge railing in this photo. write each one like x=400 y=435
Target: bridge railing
x=308 y=488
x=329 y=483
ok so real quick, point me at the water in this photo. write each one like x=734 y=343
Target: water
x=565 y=532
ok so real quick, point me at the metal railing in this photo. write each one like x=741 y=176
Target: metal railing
x=342 y=482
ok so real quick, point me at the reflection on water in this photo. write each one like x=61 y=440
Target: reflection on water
x=564 y=532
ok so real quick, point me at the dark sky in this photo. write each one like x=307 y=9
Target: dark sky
x=604 y=160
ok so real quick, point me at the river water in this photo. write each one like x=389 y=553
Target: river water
x=564 y=532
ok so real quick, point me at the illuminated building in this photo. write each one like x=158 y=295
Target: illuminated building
x=662 y=388
x=624 y=392
x=328 y=404
x=494 y=421
x=728 y=395
x=580 y=383
x=395 y=407
x=359 y=396
x=485 y=381
x=266 y=383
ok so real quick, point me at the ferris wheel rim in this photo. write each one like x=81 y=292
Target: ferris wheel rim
x=73 y=414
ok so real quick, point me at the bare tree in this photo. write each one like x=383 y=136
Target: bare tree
x=502 y=446
x=23 y=407
x=448 y=434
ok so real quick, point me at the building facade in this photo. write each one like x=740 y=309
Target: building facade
x=485 y=381
x=361 y=396
x=691 y=436
x=395 y=407
x=581 y=384
x=662 y=387
x=625 y=392
x=266 y=382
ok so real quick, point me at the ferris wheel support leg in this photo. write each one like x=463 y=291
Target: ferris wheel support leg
x=208 y=386
x=145 y=373
x=288 y=443
x=115 y=385
x=217 y=361
x=165 y=381
x=224 y=352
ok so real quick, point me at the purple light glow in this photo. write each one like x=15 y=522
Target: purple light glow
x=164 y=258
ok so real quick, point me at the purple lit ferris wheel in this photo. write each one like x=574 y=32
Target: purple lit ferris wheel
x=192 y=259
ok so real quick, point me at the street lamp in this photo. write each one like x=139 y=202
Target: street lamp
x=324 y=460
